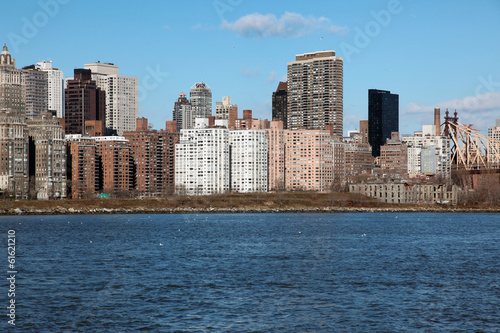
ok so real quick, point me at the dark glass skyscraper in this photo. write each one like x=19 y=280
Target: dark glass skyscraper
x=383 y=117
x=280 y=104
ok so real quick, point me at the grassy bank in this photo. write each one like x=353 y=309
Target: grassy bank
x=265 y=202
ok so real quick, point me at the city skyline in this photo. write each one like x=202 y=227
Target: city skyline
x=445 y=57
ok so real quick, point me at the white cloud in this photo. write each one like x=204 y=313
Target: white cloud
x=480 y=110
x=197 y=27
x=288 y=25
x=250 y=72
x=272 y=77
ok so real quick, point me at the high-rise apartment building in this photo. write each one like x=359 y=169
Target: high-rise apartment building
x=358 y=160
x=83 y=101
x=383 y=117
x=47 y=162
x=83 y=166
x=122 y=96
x=55 y=89
x=113 y=153
x=202 y=160
x=276 y=154
x=494 y=131
x=315 y=91
x=200 y=96
x=12 y=88
x=36 y=91
x=248 y=161
x=183 y=113
x=226 y=110
x=280 y=104
x=394 y=157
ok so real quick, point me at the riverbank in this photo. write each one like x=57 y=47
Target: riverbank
x=228 y=203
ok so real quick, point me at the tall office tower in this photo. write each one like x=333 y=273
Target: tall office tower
x=202 y=160
x=47 y=162
x=201 y=100
x=14 y=153
x=83 y=168
x=122 y=96
x=55 y=87
x=152 y=152
x=83 y=101
x=315 y=91
x=36 y=91
x=183 y=113
x=226 y=110
x=383 y=117
x=11 y=84
x=279 y=104
x=248 y=161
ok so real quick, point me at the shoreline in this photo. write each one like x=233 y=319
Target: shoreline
x=188 y=210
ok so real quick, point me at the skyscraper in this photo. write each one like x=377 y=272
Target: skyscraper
x=315 y=91
x=201 y=100
x=383 y=117
x=11 y=84
x=122 y=96
x=36 y=91
x=279 y=106
x=83 y=101
x=182 y=113
x=226 y=110
x=55 y=87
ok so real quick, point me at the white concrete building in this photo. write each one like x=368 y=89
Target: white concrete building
x=122 y=96
x=202 y=160
x=55 y=87
x=248 y=161
x=428 y=154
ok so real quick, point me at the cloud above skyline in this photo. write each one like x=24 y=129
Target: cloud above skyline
x=289 y=25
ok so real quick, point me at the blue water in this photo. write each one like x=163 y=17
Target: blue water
x=255 y=273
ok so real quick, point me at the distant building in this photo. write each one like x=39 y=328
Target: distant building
x=394 y=157
x=363 y=131
x=122 y=96
x=83 y=166
x=183 y=113
x=383 y=117
x=55 y=88
x=226 y=110
x=248 y=161
x=12 y=87
x=14 y=169
x=280 y=104
x=358 y=160
x=83 y=101
x=276 y=156
x=36 y=91
x=200 y=96
x=315 y=91
x=47 y=162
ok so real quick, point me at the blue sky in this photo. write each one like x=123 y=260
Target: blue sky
x=431 y=53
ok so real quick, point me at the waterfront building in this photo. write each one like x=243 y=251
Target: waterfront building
x=394 y=157
x=121 y=93
x=14 y=141
x=55 y=87
x=315 y=92
x=276 y=155
x=83 y=101
x=200 y=96
x=280 y=104
x=358 y=160
x=47 y=159
x=83 y=167
x=248 y=161
x=12 y=87
x=383 y=117
x=202 y=160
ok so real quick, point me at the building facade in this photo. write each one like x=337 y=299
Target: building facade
x=183 y=113
x=83 y=101
x=394 y=157
x=200 y=96
x=117 y=173
x=36 y=91
x=47 y=162
x=358 y=160
x=280 y=104
x=315 y=92
x=226 y=110
x=121 y=93
x=83 y=166
x=248 y=161
x=12 y=87
x=55 y=87
x=383 y=117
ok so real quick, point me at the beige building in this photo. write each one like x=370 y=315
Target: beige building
x=48 y=161
x=14 y=169
x=226 y=110
x=36 y=91
x=358 y=160
x=394 y=157
x=315 y=91
x=12 y=88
